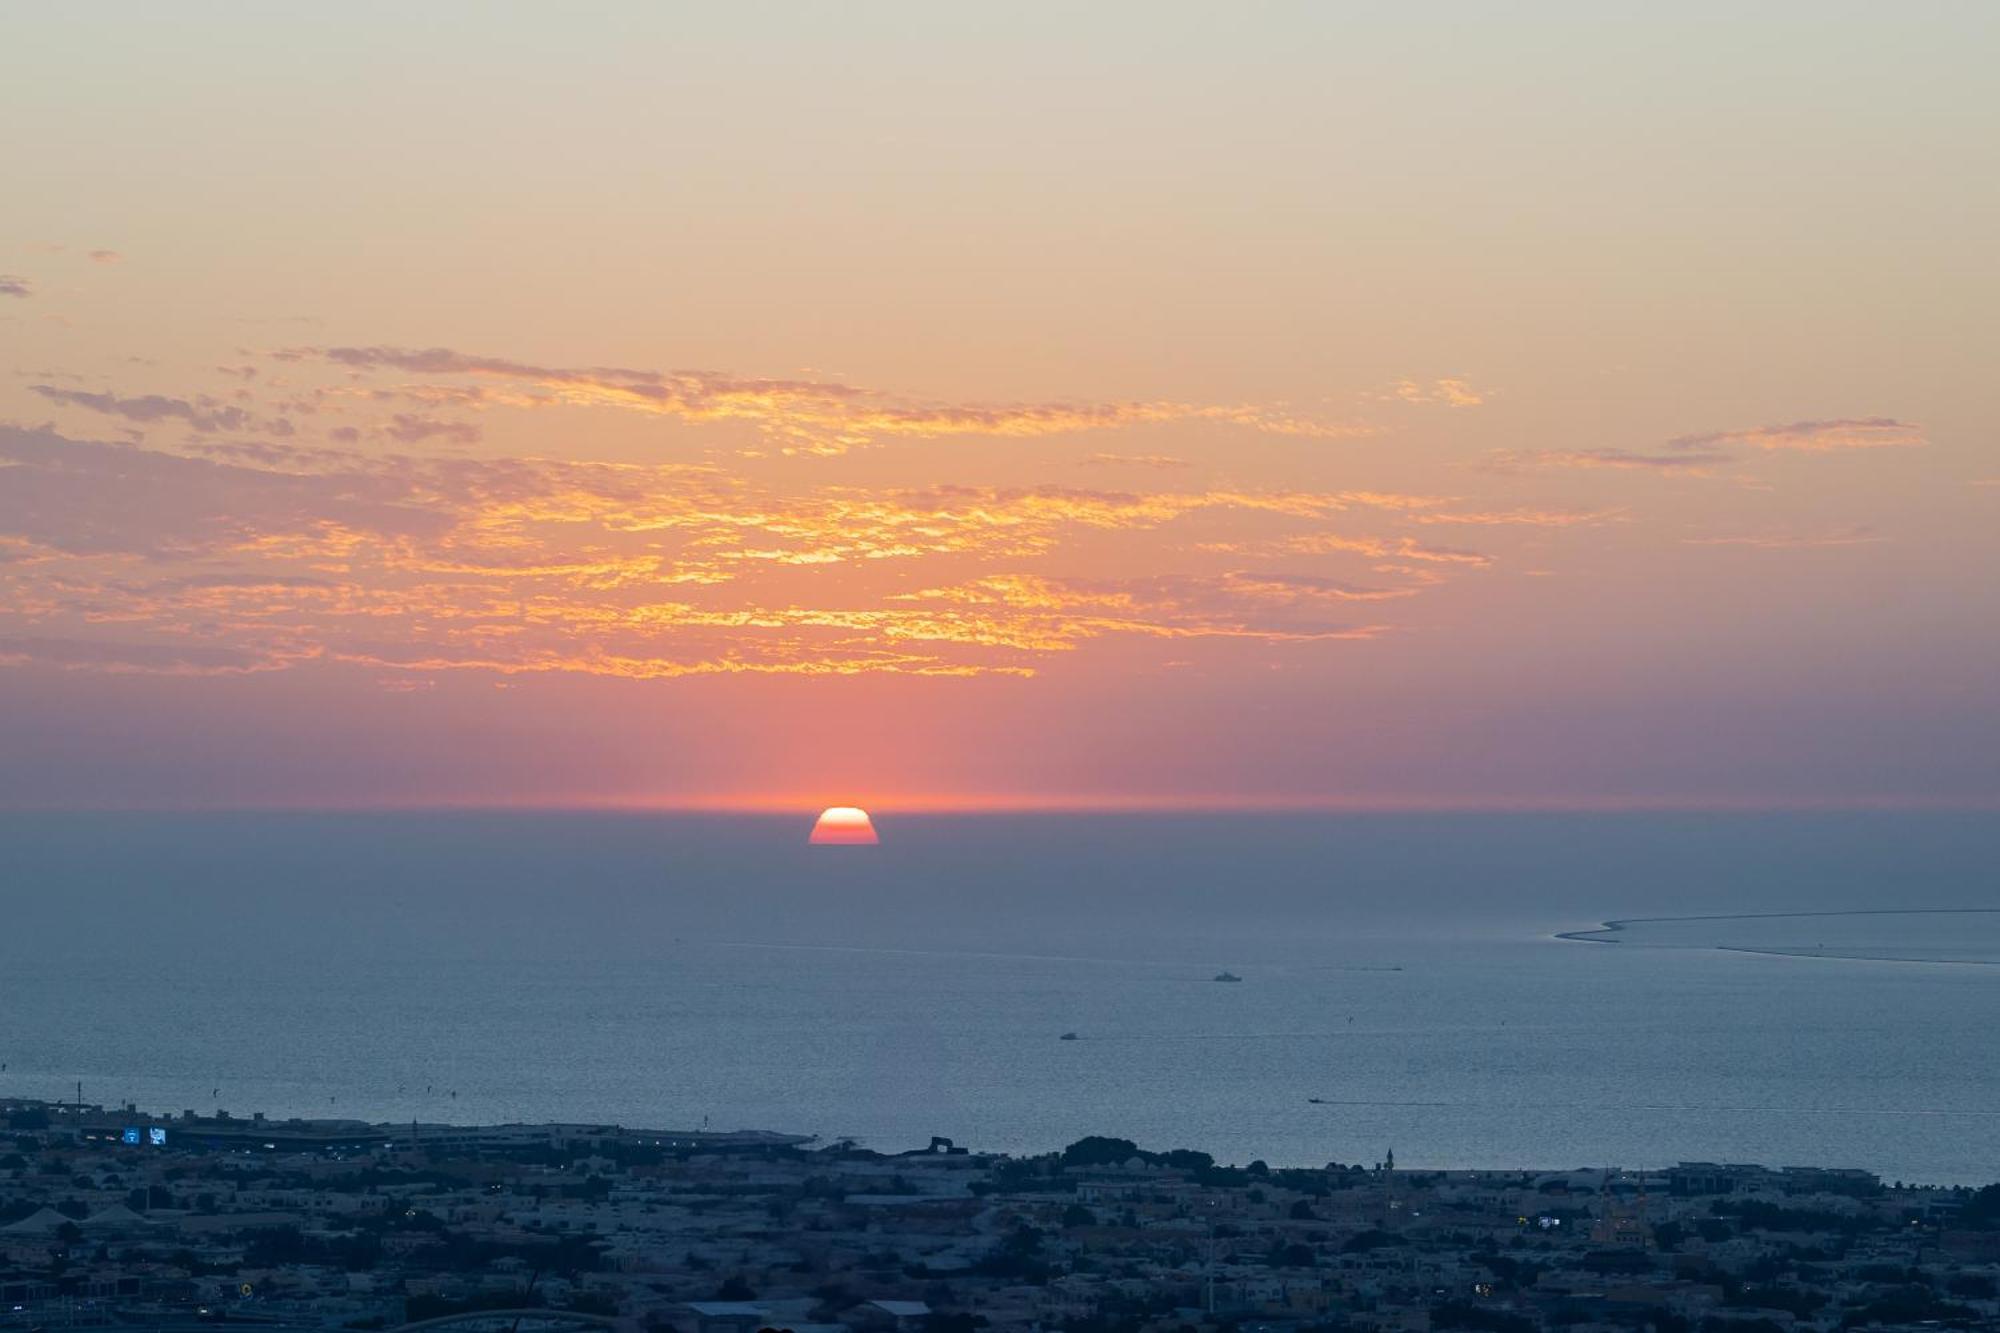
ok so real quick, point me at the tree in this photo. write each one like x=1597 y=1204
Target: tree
x=957 y=1322
x=1097 y=1150
x=1459 y=1314
x=1292 y=1256
x=1982 y=1211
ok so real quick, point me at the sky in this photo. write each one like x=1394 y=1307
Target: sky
x=974 y=406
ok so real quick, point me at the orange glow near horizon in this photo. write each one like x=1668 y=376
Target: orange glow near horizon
x=844 y=826
x=1014 y=803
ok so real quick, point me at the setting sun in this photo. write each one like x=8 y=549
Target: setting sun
x=844 y=826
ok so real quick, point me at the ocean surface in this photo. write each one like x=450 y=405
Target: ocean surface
x=1405 y=970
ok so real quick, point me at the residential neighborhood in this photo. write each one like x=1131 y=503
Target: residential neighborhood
x=115 y=1218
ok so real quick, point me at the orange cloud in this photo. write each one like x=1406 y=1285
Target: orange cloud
x=805 y=415
x=1382 y=548
x=264 y=555
x=1050 y=613
x=1133 y=460
x=1447 y=392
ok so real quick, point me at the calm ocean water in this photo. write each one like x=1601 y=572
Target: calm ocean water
x=1403 y=969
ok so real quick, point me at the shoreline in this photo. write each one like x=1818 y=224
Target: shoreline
x=1606 y=933
x=91 y=1125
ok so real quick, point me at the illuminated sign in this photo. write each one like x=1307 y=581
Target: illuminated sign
x=131 y=1136
x=157 y=1137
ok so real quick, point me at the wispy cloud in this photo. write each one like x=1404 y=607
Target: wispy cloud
x=10 y=285
x=1688 y=461
x=1523 y=517
x=804 y=415
x=1031 y=611
x=113 y=657
x=202 y=415
x=408 y=428
x=106 y=257
x=1445 y=392
x=1396 y=548
x=1157 y=461
x=88 y=498
x=1699 y=454
x=1853 y=536
x=1812 y=436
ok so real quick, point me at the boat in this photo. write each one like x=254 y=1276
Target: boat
x=1316 y=1101
x=1068 y=1036
x=1227 y=976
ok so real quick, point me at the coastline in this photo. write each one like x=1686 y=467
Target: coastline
x=91 y=1125
x=1607 y=932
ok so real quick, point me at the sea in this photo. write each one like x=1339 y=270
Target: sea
x=1800 y=988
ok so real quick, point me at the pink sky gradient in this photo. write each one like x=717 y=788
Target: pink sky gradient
x=986 y=407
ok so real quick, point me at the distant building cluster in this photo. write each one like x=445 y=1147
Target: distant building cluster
x=114 y=1219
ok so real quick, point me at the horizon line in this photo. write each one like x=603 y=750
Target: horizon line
x=1072 y=804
